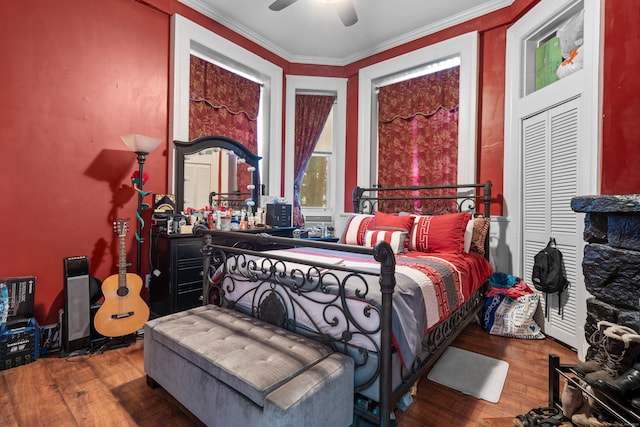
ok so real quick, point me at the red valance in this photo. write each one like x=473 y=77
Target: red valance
x=223 y=89
x=420 y=96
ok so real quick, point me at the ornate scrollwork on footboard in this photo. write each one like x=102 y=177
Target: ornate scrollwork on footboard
x=328 y=303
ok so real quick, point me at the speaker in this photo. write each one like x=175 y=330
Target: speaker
x=76 y=319
x=278 y=215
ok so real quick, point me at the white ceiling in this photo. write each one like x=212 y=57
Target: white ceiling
x=310 y=31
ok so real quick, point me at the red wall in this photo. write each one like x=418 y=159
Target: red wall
x=621 y=98
x=78 y=74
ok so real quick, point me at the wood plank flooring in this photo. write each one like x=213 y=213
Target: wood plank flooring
x=109 y=389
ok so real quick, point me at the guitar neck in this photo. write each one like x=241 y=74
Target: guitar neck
x=122 y=264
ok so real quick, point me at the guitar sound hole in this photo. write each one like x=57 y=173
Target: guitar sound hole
x=122 y=292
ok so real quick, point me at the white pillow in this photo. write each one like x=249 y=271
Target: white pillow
x=395 y=238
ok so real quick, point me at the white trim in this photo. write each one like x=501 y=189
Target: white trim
x=587 y=83
x=187 y=38
x=465 y=46
x=485 y=7
x=337 y=86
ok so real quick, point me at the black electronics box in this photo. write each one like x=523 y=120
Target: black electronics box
x=21 y=292
x=278 y=215
x=19 y=346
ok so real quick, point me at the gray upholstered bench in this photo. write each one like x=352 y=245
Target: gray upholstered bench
x=230 y=369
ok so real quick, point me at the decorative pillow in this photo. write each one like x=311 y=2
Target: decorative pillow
x=480 y=231
x=468 y=234
x=355 y=229
x=395 y=238
x=439 y=233
x=387 y=221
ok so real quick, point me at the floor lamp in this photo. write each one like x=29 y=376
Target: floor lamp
x=141 y=145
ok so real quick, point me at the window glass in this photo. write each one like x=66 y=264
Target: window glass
x=315 y=184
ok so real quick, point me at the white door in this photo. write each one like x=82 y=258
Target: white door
x=550 y=179
x=200 y=179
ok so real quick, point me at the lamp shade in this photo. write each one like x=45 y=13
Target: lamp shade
x=140 y=143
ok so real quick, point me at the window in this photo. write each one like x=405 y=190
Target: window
x=316 y=186
x=336 y=128
x=192 y=39
x=418 y=116
x=466 y=48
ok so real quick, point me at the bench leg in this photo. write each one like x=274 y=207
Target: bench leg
x=152 y=383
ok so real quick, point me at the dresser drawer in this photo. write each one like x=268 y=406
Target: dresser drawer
x=188 y=273
x=189 y=248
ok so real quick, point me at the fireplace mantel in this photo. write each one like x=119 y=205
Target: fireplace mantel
x=611 y=263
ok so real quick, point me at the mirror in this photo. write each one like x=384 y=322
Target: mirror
x=215 y=171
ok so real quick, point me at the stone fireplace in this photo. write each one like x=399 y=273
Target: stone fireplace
x=611 y=263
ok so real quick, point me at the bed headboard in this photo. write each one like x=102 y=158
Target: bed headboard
x=425 y=200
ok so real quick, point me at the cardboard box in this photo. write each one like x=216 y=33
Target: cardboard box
x=21 y=292
x=548 y=60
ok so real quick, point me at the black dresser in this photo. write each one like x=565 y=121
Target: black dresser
x=176 y=275
x=176 y=269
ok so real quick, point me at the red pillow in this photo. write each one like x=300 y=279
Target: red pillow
x=387 y=221
x=356 y=227
x=440 y=233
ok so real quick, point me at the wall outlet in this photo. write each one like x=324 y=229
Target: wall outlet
x=147 y=279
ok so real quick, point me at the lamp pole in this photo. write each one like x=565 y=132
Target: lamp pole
x=139 y=239
x=141 y=145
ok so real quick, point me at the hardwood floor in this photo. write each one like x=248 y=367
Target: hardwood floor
x=109 y=389
x=526 y=386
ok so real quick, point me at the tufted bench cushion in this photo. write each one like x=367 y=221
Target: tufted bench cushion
x=230 y=369
x=245 y=353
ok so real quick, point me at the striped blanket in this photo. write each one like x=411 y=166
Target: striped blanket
x=428 y=287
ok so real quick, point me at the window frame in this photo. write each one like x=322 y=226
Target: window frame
x=189 y=38
x=330 y=86
x=466 y=47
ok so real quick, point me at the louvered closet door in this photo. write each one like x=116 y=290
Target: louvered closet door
x=550 y=173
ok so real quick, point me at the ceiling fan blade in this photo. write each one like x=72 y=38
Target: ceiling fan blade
x=347 y=12
x=281 y=4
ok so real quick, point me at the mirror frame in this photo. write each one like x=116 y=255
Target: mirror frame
x=184 y=148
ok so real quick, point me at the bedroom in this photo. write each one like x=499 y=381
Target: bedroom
x=78 y=83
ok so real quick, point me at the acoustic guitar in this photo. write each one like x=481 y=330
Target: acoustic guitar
x=123 y=311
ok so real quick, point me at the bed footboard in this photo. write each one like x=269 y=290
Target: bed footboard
x=283 y=291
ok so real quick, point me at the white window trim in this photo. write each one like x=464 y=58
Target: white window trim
x=189 y=38
x=338 y=86
x=465 y=46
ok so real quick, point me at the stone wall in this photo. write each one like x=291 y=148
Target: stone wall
x=611 y=263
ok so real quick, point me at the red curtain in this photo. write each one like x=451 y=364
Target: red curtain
x=418 y=130
x=311 y=115
x=226 y=104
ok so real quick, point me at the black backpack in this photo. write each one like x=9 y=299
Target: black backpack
x=548 y=273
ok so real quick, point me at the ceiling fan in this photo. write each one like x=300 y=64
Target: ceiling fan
x=345 y=8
